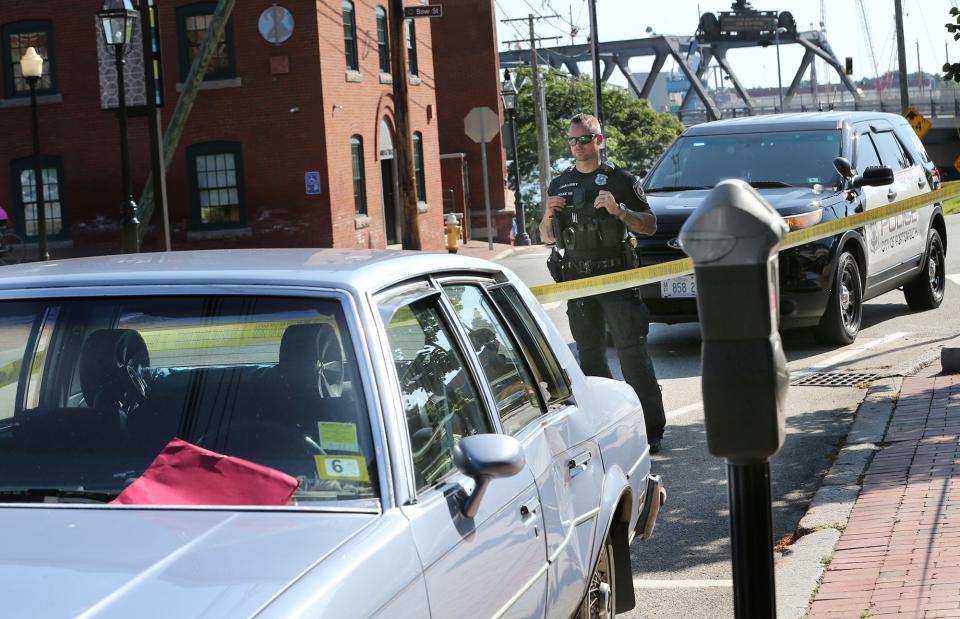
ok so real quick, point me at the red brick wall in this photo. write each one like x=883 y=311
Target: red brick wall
x=285 y=124
x=468 y=75
x=352 y=108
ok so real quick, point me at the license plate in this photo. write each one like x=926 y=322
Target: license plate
x=685 y=286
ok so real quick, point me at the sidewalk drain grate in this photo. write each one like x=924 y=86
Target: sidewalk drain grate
x=835 y=379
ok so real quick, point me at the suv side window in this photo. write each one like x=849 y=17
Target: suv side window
x=553 y=384
x=891 y=152
x=440 y=400
x=514 y=391
x=866 y=153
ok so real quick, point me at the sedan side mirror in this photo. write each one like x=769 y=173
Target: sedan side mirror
x=874 y=176
x=842 y=164
x=484 y=457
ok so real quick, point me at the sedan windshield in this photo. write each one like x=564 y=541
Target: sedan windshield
x=92 y=390
x=779 y=159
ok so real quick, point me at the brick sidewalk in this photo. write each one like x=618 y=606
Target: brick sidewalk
x=900 y=551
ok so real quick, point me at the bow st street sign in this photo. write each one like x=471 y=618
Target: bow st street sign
x=428 y=10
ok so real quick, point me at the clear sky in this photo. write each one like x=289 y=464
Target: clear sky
x=629 y=19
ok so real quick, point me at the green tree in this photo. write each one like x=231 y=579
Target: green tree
x=951 y=70
x=635 y=134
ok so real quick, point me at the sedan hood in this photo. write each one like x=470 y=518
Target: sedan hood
x=787 y=200
x=69 y=562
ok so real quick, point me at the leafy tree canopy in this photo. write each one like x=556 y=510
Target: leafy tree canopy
x=635 y=134
x=951 y=70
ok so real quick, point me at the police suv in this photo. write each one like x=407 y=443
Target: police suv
x=813 y=168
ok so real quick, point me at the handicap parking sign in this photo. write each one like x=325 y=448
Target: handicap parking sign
x=312 y=181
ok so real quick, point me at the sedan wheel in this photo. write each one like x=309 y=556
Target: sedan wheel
x=599 y=601
x=925 y=292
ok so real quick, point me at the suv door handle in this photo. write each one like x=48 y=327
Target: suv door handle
x=891 y=194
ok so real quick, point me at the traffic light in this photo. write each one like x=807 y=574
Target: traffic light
x=849 y=66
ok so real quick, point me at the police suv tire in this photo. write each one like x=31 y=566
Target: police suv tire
x=925 y=292
x=840 y=324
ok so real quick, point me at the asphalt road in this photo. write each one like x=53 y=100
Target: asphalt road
x=684 y=570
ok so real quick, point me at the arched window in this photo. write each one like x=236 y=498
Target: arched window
x=359 y=177
x=383 y=40
x=418 y=167
x=350 y=36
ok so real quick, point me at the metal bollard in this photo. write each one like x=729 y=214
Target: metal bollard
x=733 y=238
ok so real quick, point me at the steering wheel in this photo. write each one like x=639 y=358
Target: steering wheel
x=331 y=363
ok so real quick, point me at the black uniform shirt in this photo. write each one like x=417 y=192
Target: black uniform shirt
x=624 y=186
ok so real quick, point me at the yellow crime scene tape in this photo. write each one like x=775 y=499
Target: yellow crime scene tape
x=611 y=282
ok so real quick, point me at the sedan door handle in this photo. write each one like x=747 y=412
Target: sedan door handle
x=921 y=183
x=578 y=463
x=891 y=194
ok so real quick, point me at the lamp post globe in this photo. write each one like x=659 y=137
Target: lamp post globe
x=31 y=67
x=117 y=19
x=508 y=92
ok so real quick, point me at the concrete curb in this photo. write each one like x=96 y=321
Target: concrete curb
x=802 y=564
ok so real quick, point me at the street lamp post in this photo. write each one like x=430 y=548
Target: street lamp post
x=509 y=93
x=31 y=67
x=116 y=21
x=780 y=30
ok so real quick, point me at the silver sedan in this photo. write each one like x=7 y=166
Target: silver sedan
x=384 y=434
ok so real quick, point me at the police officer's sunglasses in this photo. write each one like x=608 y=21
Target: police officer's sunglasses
x=582 y=139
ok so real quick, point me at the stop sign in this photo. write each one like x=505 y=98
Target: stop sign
x=481 y=124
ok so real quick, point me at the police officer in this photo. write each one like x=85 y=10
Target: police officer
x=590 y=209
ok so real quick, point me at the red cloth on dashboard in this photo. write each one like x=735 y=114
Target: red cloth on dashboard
x=184 y=474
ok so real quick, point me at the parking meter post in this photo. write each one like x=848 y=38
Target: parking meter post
x=751 y=539
x=733 y=238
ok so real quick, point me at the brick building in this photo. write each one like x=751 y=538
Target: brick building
x=468 y=67
x=267 y=114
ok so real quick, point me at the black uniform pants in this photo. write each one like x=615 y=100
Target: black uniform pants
x=629 y=323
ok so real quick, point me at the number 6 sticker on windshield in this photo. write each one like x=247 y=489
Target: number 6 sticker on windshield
x=352 y=468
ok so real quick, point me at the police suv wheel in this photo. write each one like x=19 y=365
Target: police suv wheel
x=840 y=324
x=925 y=292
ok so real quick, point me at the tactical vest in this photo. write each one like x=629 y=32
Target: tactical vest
x=585 y=232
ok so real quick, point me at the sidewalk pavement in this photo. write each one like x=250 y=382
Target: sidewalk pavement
x=899 y=553
x=481 y=249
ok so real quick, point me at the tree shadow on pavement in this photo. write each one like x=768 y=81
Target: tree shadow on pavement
x=693 y=528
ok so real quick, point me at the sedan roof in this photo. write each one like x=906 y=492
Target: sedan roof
x=803 y=121
x=348 y=269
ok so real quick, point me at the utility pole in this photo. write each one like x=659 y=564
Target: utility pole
x=539 y=106
x=148 y=26
x=595 y=57
x=410 y=228
x=181 y=112
x=919 y=69
x=901 y=56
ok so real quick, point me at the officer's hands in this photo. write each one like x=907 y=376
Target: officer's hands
x=606 y=200
x=554 y=204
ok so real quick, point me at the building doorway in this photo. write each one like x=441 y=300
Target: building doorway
x=389 y=186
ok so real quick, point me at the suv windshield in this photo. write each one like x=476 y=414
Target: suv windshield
x=91 y=390
x=779 y=159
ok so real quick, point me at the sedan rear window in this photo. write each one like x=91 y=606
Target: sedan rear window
x=91 y=390
x=775 y=159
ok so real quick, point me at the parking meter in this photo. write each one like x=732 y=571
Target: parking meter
x=733 y=238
